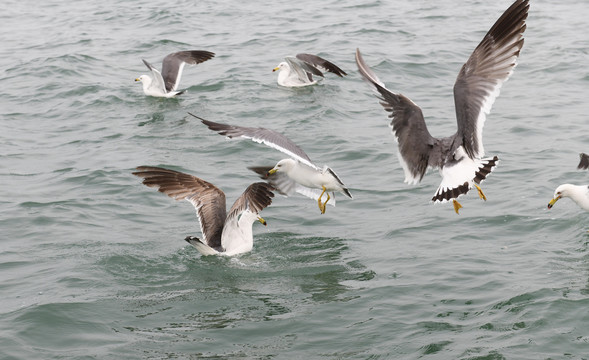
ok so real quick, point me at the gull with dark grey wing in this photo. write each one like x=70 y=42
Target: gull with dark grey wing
x=165 y=84
x=299 y=70
x=223 y=233
x=458 y=157
x=297 y=174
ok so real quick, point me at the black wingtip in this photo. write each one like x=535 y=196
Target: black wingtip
x=584 y=162
x=450 y=194
x=488 y=166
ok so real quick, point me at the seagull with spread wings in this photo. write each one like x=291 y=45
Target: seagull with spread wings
x=299 y=70
x=297 y=174
x=223 y=233
x=458 y=157
x=165 y=84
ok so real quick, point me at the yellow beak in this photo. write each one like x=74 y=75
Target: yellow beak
x=275 y=69
x=553 y=201
x=137 y=79
x=272 y=171
x=262 y=221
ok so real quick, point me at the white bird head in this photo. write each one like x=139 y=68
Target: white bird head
x=281 y=66
x=284 y=165
x=578 y=193
x=145 y=80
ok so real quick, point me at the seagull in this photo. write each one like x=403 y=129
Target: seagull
x=223 y=233
x=165 y=84
x=298 y=71
x=578 y=193
x=458 y=157
x=296 y=174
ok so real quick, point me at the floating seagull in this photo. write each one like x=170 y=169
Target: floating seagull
x=298 y=71
x=297 y=174
x=165 y=84
x=223 y=233
x=458 y=157
x=578 y=193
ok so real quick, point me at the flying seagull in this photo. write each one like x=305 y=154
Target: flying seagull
x=223 y=233
x=458 y=157
x=165 y=84
x=298 y=71
x=578 y=193
x=297 y=174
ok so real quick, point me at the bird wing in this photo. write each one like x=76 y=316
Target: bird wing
x=208 y=200
x=408 y=125
x=255 y=198
x=316 y=61
x=584 y=162
x=481 y=77
x=302 y=69
x=173 y=65
x=157 y=77
x=264 y=136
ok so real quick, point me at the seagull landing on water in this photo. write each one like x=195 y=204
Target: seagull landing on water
x=165 y=84
x=578 y=193
x=458 y=157
x=298 y=71
x=223 y=233
x=297 y=174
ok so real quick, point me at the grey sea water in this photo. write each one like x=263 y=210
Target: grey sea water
x=93 y=264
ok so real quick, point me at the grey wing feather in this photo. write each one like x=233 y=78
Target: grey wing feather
x=255 y=198
x=279 y=180
x=584 y=162
x=156 y=75
x=303 y=70
x=480 y=79
x=317 y=61
x=264 y=136
x=414 y=140
x=208 y=200
x=174 y=63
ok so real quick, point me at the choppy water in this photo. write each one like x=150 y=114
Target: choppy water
x=93 y=264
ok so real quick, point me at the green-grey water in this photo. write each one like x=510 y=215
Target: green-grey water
x=93 y=264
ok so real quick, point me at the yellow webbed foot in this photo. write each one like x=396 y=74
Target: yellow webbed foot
x=457 y=205
x=481 y=195
x=322 y=205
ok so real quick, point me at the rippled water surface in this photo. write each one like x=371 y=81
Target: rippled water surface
x=93 y=264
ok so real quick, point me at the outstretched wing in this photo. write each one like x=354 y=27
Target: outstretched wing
x=157 y=76
x=255 y=198
x=415 y=141
x=208 y=200
x=173 y=65
x=264 y=136
x=316 y=61
x=482 y=76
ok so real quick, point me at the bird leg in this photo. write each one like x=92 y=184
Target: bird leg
x=325 y=204
x=457 y=205
x=322 y=206
x=481 y=195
